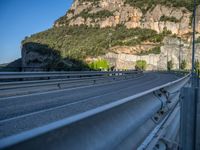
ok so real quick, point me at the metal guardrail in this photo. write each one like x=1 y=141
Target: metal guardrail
x=58 y=82
x=189 y=115
x=112 y=126
x=44 y=68
x=26 y=75
x=47 y=81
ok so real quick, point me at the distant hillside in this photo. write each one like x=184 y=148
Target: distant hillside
x=93 y=29
x=12 y=66
x=78 y=42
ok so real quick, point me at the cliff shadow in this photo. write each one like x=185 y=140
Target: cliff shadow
x=36 y=56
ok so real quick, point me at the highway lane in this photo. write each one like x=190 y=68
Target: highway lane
x=24 y=104
x=29 y=87
x=22 y=113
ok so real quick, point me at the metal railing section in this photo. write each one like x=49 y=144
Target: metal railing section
x=32 y=75
x=123 y=124
x=46 y=81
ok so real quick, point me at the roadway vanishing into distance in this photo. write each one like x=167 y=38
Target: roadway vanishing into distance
x=22 y=113
x=59 y=81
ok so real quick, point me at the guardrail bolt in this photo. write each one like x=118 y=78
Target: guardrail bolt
x=156 y=118
x=59 y=86
x=161 y=112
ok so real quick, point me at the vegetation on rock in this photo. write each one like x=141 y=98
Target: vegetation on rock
x=155 y=50
x=171 y=19
x=93 y=1
x=141 y=65
x=170 y=65
x=183 y=65
x=100 y=64
x=100 y=14
x=145 y=5
x=78 y=42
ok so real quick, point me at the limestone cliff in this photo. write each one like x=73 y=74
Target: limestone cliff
x=121 y=31
x=159 y=17
x=173 y=49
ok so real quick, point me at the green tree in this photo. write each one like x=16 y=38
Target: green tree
x=100 y=64
x=183 y=65
x=141 y=65
x=169 y=65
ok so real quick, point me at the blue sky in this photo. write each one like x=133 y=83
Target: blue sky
x=20 y=18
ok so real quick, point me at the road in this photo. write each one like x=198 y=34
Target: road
x=22 y=113
x=8 y=89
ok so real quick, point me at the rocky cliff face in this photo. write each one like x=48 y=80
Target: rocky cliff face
x=173 y=49
x=103 y=14
x=158 y=18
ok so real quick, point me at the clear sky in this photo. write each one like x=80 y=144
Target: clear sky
x=20 y=18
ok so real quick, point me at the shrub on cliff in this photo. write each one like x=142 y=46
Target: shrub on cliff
x=183 y=65
x=170 y=65
x=99 y=65
x=171 y=19
x=100 y=14
x=141 y=65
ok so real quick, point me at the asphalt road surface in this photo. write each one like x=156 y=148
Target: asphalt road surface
x=22 y=113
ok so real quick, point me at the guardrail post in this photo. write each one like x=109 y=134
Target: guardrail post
x=188 y=118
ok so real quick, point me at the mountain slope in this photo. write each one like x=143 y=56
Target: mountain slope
x=97 y=28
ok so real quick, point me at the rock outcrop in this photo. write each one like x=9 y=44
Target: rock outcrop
x=173 y=49
x=159 y=18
